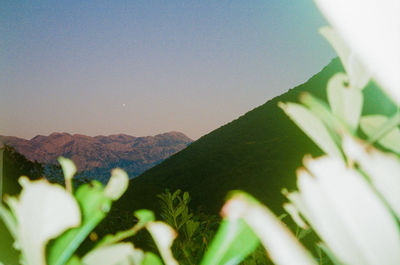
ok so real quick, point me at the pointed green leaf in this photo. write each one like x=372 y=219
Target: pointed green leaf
x=151 y=259
x=94 y=206
x=144 y=217
x=74 y=261
x=234 y=241
x=278 y=240
x=9 y=221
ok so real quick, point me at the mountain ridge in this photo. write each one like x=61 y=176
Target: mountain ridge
x=134 y=154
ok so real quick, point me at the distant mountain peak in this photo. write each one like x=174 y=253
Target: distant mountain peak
x=135 y=154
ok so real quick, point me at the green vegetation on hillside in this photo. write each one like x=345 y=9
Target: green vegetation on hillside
x=258 y=153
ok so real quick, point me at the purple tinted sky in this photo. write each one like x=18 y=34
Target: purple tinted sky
x=146 y=67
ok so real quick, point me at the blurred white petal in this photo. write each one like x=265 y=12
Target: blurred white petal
x=164 y=237
x=294 y=213
x=312 y=126
x=371 y=124
x=325 y=220
x=117 y=254
x=43 y=211
x=281 y=244
x=358 y=76
x=68 y=167
x=372 y=29
x=346 y=102
x=352 y=210
x=383 y=170
x=117 y=184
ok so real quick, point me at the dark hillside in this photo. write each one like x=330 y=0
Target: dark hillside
x=259 y=153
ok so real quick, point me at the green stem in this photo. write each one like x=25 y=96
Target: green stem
x=387 y=127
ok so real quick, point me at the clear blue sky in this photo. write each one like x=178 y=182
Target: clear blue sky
x=147 y=67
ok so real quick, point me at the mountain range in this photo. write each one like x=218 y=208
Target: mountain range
x=96 y=156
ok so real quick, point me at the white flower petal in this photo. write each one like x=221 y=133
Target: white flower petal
x=312 y=126
x=293 y=211
x=372 y=29
x=117 y=184
x=164 y=237
x=346 y=102
x=43 y=212
x=323 y=218
x=68 y=167
x=117 y=254
x=358 y=209
x=383 y=170
x=281 y=244
x=358 y=75
x=371 y=124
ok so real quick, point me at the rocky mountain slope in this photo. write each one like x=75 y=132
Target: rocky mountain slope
x=97 y=155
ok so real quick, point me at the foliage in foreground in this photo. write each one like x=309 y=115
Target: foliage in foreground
x=349 y=197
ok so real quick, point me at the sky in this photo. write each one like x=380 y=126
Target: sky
x=147 y=67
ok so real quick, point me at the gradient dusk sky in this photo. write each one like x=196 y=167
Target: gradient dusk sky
x=147 y=67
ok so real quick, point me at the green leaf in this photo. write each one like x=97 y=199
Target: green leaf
x=383 y=130
x=191 y=227
x=144 y=217
x=233 y=242
x=346 y=102
x=312 y=126
x=94 y=206
x=74 y=261
x=9 y=221
x=186 y=196
x=329 y=253
x=281 y=244
x=151 y=259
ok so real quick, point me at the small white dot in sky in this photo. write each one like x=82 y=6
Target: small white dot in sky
x=123 y=104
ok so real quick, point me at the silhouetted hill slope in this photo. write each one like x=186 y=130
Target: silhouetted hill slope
x=259 y=153
x=14 y=166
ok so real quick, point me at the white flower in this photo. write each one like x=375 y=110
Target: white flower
x=117 y=254
x=345 y=211
x=43 y=211
x=282 y=246
x=371 y=28
x=117 y=184
x=383 y=169
x=164 y=237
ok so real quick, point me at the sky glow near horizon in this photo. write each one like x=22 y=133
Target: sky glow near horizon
x=148 y=67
